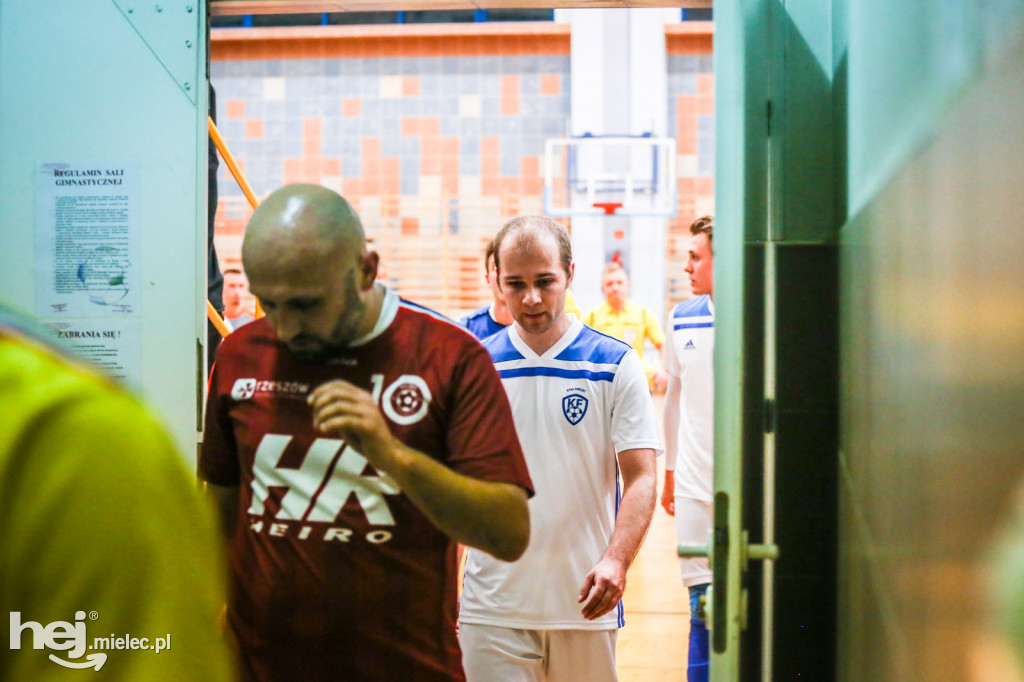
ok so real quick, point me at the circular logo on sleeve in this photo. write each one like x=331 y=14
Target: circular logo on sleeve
x=406 y=400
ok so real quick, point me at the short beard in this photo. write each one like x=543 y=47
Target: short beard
x=347 y=329
x=311 y=357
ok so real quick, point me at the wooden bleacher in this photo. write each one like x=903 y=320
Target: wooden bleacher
x=432 y=248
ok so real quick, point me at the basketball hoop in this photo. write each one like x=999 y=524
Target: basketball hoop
x=625 y=176
x=609 y=207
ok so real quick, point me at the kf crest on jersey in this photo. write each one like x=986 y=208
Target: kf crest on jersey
x=574 y=407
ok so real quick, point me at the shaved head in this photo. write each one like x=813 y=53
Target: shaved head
x=299 y=221
x=305 y=253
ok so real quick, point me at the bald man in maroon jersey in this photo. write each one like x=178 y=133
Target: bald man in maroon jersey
x=352 y=439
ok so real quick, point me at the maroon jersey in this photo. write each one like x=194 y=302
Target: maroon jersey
x=336 y=574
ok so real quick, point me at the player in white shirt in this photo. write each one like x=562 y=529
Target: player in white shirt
x=689 y=429
x=583 y=414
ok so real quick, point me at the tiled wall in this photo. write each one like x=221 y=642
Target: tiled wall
x=394 y=122
x=691 y=120
x=410 y=126
x=425 y=128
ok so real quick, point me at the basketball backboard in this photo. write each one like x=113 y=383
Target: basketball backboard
x=606 y=175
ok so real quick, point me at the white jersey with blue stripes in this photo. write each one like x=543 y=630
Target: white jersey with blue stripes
x=688 y=355
x=575 y=407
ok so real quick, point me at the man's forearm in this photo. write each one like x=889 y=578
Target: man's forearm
x=604 y=585
x=490 y=516
x=639 y=496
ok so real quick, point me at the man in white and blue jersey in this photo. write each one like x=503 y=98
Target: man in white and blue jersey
x=494 y=316
x=583 y=414
x=689 y=429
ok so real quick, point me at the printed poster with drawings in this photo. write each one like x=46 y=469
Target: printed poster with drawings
x=88 y=233
x=87 y=239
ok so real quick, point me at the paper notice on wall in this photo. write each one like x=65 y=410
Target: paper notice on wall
x=114 y=346
x=87 y=239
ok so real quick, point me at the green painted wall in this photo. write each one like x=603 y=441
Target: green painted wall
x=776 y=325
x=741 y=219
x=910 y=64
x=870 y=282
x=932 y=312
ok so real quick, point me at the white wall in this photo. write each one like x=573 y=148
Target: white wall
x=80 y=83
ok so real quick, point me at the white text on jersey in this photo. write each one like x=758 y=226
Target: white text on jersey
x=330 y=472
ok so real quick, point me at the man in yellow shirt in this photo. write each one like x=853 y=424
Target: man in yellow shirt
x=571 y=306
x=623 y=319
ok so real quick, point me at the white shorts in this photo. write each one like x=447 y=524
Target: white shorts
x=693 y=521
x=498 y=654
